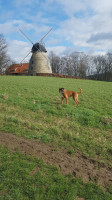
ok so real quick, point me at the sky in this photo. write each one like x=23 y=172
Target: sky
x=78 y=25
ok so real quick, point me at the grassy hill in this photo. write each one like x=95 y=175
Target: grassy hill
x=80 y=137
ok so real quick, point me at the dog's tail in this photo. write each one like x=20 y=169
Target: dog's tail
x=80 y=91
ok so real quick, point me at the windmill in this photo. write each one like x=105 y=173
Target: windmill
x=39 y=62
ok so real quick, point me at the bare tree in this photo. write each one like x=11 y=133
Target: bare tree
x=5 y=60
x=62 y=64
x=107 y=69
x=99 y=62
x=80 y=64
x=83 y=65
x=55 y=62
x=75 y=63
x=109 y=62
x=68 y=66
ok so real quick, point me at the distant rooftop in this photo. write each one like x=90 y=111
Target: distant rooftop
x=17 y=69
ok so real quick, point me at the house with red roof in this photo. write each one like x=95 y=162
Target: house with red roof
x=18 y=69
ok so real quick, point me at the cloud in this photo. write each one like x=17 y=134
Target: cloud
x=101 y=6
x=100 y=36
x=89 y=27
x=58 y=50
x=13 y=25
x=72 y=6
x=17 y=50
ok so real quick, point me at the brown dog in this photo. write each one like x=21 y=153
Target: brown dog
x=67 y=93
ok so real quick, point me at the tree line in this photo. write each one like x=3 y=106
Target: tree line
x=77 y=64
x=81 y=65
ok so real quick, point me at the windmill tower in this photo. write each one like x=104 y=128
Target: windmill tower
x=39 y=62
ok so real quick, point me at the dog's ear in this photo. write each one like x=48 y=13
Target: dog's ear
x=61 y=89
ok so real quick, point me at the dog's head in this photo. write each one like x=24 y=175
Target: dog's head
x=61 y=90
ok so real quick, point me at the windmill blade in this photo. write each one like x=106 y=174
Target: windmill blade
x=25 y=57
x=25 y=35
x=45 y=35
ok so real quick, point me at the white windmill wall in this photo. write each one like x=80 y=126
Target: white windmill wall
x=39 y=63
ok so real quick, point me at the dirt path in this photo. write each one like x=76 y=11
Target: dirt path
x=77 y=165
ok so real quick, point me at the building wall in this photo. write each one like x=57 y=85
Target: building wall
x=39 y=63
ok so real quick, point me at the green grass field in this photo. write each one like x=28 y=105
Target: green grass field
x=30 y=107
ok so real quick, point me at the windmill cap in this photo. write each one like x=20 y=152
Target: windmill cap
x=38 y=47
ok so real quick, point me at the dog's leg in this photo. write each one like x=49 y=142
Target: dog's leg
x=76 y=100
x=66 y=100
x=62 y=100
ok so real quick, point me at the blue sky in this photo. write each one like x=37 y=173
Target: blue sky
x=78 y=25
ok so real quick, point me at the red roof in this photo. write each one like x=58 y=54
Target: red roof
x=18 y=69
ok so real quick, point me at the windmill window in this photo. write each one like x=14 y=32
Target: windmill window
x=32 y=61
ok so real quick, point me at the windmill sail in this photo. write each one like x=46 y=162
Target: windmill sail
x=45 y=35
x=25 y=57
x=25 y=35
